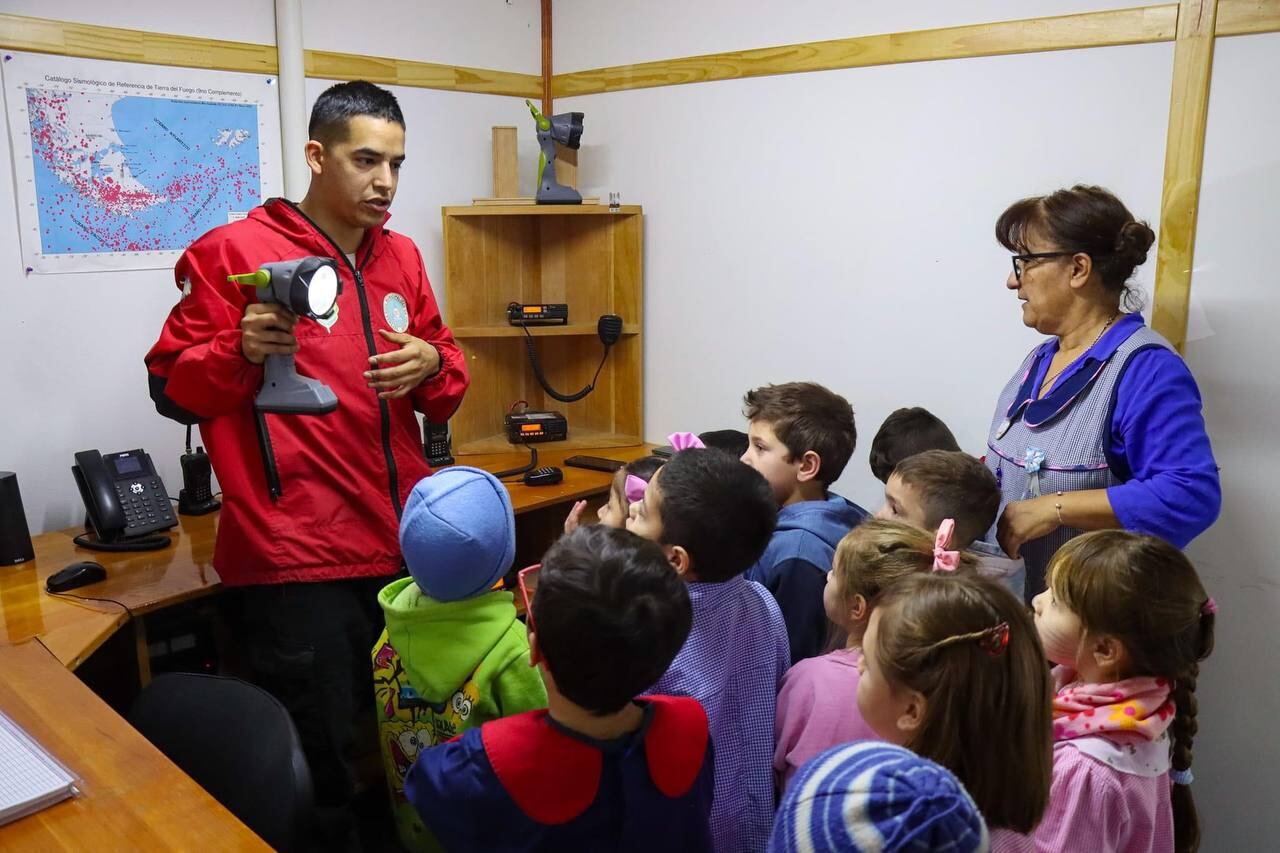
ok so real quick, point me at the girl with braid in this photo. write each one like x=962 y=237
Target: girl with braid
x=953 y=670
x=1127 y=622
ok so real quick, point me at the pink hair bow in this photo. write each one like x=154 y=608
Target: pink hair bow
x=1210 y=607
x=944 y=560
x=685 y=441
x=634 y=488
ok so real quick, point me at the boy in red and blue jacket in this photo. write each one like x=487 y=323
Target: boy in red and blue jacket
x=600 y=769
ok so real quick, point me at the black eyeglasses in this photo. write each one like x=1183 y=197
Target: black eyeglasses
x=1020 y=260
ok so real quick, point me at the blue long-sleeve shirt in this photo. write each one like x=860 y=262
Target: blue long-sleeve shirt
x=733 y=663
x=1158 y=444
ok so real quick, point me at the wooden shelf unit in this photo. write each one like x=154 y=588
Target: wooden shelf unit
x=509 y=331
x=584 y=255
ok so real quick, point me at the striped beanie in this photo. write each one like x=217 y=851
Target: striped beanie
x=871 y=796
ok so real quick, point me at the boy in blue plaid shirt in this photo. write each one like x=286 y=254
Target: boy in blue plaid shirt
x=713 y=516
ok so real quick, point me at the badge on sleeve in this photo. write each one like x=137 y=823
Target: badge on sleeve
x=396 y=312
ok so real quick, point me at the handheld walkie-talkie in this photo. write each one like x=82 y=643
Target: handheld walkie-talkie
x=437 y=444
x=196 y=496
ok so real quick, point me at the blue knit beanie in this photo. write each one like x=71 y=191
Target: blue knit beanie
x=872 y=796
x=458 y=533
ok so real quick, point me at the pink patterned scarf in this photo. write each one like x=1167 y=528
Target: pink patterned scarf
x=1134 y=709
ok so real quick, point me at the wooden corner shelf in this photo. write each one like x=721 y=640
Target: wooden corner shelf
x=541 y=210
x=579 y=439
x=584 y=255
x=537 y=331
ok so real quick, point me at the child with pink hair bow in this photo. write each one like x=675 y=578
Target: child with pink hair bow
x=628 y=486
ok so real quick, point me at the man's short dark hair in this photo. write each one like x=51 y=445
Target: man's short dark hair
x=718 y=509
x=954 y=485
x=338 y=104
x=731 y=441
x=610 y=614
x=905 y=433
x=807 y=416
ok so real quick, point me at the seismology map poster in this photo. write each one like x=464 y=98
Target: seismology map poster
x=120 y=166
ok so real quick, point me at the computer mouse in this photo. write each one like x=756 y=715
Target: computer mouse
x=76 y=575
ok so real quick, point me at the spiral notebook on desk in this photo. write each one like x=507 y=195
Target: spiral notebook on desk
x=30 y=778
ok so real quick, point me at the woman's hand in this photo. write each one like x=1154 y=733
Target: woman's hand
x=1023 y=521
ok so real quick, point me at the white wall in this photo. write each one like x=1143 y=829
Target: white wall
x=236 y=20
x=1237 y=756
x=500 y=34
x=600 y=33
x=837 y=226
x=72 y=345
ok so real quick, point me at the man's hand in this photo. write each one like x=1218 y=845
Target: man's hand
x=406 y=368
x=267 y=329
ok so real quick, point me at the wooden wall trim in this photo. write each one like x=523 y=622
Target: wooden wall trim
x=1183 y=161
x=547 y=55
x=330 y=65
x=65 y=38
x=1139 y=25
x=1247 y=17
x=1092 y=29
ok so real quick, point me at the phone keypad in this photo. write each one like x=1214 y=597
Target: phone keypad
x=146 y=506
x=437 y=445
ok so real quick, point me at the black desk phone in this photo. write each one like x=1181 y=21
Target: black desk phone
x=124 y=499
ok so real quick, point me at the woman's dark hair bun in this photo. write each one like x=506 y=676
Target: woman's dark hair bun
x=1133 y=241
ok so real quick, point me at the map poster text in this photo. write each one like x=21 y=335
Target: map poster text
x=121 y=166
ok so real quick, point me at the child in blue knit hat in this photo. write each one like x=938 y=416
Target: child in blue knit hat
x=453 y=654
x=872 y=797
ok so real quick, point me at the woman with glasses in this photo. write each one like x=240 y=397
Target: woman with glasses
x=1101 y=425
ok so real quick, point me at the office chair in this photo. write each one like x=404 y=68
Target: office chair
x=238 y=743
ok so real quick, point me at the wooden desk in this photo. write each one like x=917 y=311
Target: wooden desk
x=148 y=580
x=132 y=797
x=143 y=581
x=578 y=483
x=70 y=630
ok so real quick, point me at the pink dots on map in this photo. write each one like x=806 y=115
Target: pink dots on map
x=137 y=173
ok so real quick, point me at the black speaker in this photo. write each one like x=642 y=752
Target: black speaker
x=15 y=538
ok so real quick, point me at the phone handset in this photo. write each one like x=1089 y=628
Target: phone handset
x=101 y=504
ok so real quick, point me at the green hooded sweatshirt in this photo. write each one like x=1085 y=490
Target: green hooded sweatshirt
x=440 y=668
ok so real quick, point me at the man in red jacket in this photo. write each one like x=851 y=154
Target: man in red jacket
x=311 y=504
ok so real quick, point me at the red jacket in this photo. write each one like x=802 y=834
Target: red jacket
x=344 y=476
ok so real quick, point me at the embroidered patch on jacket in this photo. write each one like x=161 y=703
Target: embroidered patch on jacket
x=329 y=320
x=396 y=311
